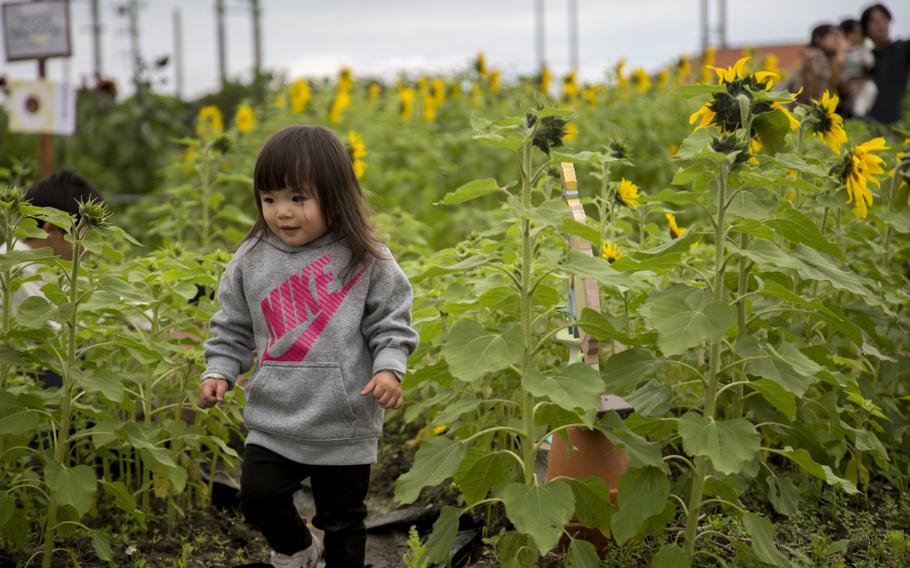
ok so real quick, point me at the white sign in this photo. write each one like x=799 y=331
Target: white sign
x=36 y=30
x=42 y=107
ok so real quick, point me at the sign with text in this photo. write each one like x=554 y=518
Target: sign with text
x=36 y=30
x=42 y=107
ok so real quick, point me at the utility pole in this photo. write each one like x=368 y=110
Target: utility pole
x=539 y=10
x=257 y=39
x=222 y=52
x=573 y=34
x=178 y=53
x=96 y=40
x=722 y=23
x=704 y=25
x=131 y=11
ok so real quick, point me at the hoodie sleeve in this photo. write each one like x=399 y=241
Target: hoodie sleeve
x=387 y=317
x=229 y=350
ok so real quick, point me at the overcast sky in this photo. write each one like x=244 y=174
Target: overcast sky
x=309 y=37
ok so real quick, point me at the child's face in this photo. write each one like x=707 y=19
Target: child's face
x=295 y=218
x=856 y=36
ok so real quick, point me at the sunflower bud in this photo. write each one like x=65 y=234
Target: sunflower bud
x=93 y=213
x=11 y=196
x=549 y=134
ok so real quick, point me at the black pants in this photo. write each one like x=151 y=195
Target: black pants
x=267 y=485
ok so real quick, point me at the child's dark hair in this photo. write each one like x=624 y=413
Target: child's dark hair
x=818 y=33
x=312 y=161
x=63 y=190
x=848 y=25
x=867 y=15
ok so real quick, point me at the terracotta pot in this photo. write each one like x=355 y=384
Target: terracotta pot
x=593 y=455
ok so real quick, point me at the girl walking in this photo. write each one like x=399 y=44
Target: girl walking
x=314 y=297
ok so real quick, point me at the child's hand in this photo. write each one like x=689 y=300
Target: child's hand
x=386 y=389
x=211 y=391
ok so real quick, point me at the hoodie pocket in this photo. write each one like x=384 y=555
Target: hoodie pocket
x=302 y=401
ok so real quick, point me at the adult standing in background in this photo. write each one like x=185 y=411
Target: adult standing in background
x=892 y=64
x=822 y=63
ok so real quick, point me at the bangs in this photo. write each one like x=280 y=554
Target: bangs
x=281 y=165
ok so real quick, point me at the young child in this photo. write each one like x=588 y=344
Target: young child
x=856 y=82
x=320 y=300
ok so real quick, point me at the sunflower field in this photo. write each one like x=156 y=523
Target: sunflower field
x=750 y=259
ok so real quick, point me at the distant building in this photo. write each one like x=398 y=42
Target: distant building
x=788 y=56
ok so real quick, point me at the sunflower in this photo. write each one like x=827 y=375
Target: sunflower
x=641 y=80
x=245 y=119
x=495 y=80
x=827 y=124
x=374 y=91
x=480 y=63
x=358 y=151
x=209 y=122
x=610 y=251
x=675 y=230
x=621 y=78
x=722 y=109
x=663 y=79
x=299 y=93
x=627 y=193
x=438 y=90
x=406 y=97
x=546 y=77
x=571 y=131
x=429 y=108
x=570 y=86
x=859 y=170
x=683 y=69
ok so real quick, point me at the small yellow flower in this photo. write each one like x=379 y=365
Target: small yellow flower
x=299 y=93
x=358 y=151
x=571 y=131
x=675 y=230
x=495 y=81
x=441 y=429
x=627 y=193
x=480 y=63
x=245 y=119
x=374 y=91
x=341 y=101
x=570 y=86
x=621 y=79
x=589 y=94
x=641 y=80
x=209 y=122
x=861 y=168
x=545 y=78
x=406 y=96
x=610 y=251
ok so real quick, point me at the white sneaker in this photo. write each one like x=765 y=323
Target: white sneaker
x=306 y=558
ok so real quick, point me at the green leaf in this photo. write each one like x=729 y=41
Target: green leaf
x=445 y=529
x=816 y=307
x=684 y=318
x=642 y=453
x=651 y=399
x=102 y=546
x=800 y=228
x=577 y=386
x=471 y=351
x=472 y=190
x=586 y=266
x=11 y=258
x=34 y=312
x=582 y=554
x=435 y=461
x=643 y=493
x=698 y=145
x=729 y=444
x=777 y=396
x=762 y=532
x=671 y=556
x=587 y=232
x=106 y=382
x=804 y=460
x=74 y=486
x=772 y=128
x=539 y=511
x=599 y=327
x=689 y=91
x=7 y=508
x=15 y=417
x=452 y=412
x=593 y=503
x=791 y=370
x=624 y=371
x=816 y=267
x=122 y=497
x=784 y=496
x=481 y=471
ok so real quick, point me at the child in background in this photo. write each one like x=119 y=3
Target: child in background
x=856 y=84
x=314 y=293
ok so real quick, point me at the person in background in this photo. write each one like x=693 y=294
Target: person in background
x=857 y=89
x=822 y=63
x=892 y=64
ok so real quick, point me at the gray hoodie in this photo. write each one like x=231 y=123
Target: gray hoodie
x=319 y=341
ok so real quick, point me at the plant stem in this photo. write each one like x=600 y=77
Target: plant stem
x=61 y=452
x=701 y=462
x=741 y=326
x=527 y=411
